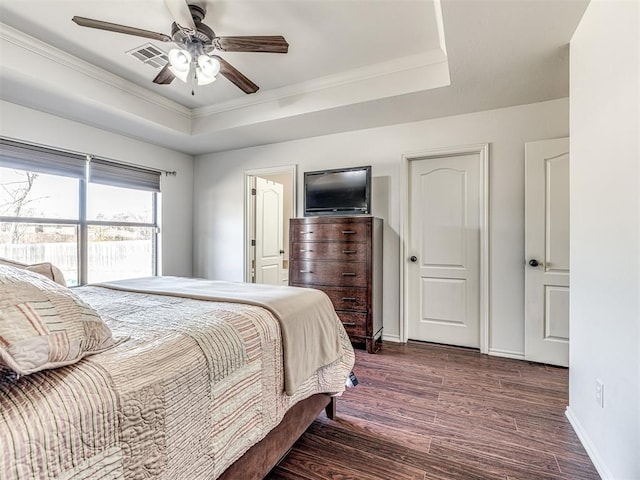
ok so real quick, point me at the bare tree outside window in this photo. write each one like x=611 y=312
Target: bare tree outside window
x=17 y=204
x=30 y=203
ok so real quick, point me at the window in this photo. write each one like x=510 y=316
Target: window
x=121 y=228
x=96 y=221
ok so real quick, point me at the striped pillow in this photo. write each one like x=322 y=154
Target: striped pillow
x=44 y=325
x=47 y=269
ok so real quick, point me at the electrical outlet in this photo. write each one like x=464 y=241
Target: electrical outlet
x=600 y=393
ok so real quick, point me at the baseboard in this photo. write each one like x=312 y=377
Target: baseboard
x=591 y=450
x=391 y=338
x=506 y=354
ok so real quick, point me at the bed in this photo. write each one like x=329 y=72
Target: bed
x=197 y=379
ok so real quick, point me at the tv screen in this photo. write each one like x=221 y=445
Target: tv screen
x=344 y=191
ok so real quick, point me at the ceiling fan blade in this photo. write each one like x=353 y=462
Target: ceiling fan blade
x=181 y=14
x=273 y=44
x=114 y=27
x=165 y=77
x=235 y=76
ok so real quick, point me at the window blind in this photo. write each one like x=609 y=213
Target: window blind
x=34 y=158
x=121 y=175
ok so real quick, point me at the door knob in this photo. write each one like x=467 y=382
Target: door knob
x=533 y=262
x=413 y=258
x=281 y=251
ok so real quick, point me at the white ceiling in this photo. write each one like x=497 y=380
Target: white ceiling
x=351 y=64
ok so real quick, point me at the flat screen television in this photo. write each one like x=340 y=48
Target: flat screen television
x=343 y=191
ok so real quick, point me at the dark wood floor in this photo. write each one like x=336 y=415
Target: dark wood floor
x=425 y=411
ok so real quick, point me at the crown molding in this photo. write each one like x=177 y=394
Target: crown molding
x=403 y=64
x=27 y=42
x=437 y=5
x=378 y=80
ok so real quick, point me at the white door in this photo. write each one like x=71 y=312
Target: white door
x=547 y=252
x=269 y=227
x=444 y=252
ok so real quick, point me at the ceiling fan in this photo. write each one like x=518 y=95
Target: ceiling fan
x=196 y=44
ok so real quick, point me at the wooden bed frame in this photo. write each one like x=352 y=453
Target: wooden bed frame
x=258 y=461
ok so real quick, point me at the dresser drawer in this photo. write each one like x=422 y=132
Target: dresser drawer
x=345 y=298
x=354 y=323
x=347 y=232
x=344 y=251
x=353 y=274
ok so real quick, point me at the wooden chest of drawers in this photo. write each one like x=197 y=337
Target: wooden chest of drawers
x=342 y=256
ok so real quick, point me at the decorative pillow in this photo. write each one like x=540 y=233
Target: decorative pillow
x=45 y=325
x=47 y=269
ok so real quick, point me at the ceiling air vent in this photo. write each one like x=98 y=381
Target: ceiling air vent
x=150 y=55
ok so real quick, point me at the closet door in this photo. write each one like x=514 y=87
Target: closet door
x=444 y=250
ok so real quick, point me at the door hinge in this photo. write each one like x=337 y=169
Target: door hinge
x=253 y=191
x=253 y=243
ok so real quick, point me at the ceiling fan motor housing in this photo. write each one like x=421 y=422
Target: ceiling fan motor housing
x=203 y=34
x=197 y=12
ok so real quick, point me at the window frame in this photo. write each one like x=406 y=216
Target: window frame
x=82 y=223
x=84 y=238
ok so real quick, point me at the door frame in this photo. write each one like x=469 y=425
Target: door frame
x=482 y=150
x=249 y=217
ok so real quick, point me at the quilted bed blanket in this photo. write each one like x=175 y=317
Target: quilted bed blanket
x=307 y=319
x=196 y=384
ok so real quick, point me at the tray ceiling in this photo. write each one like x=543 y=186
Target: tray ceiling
x=351 y=64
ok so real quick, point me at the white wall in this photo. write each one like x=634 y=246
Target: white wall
x=218 y=204
x=605 y=235
x=25 y=124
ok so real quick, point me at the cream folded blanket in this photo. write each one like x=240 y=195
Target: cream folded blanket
x=309 y=324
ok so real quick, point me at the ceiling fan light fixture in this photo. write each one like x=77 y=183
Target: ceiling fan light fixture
x=180 y=59
x=180 y=63
x=178 y=74
x=209 y=66
x=203 y=78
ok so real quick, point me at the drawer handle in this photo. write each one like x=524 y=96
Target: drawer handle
x=307 y=232
x=349 y=251
x=348 y=274
x=305 y=251
x=306 y=271
x=348 y=232
x=349 y=324
x=349 y=299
